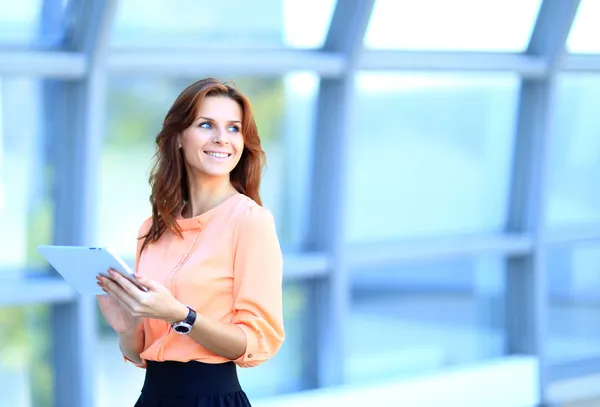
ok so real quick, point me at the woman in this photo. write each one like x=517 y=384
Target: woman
x=208 y=259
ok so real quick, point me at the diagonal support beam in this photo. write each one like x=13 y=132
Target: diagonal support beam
x=526 y=305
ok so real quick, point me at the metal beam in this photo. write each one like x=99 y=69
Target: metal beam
x=330 y=303
x=552 y=29
x=383 y=254
x=304 y=266
x=72 y=65
x=573 y=235
x=574 y=369
x=48 y=64
x=230 y=62
x=526 y=301
x=581 y=63
x=76 y=114
x=35 y=290
x=525 y=65
x=348 y=27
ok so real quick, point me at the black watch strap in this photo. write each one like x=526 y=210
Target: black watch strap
x=185 y=327
x=191 y=317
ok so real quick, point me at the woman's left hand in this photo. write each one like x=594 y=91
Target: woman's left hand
x=156 y=303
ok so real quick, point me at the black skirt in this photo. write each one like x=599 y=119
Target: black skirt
x=191 y=384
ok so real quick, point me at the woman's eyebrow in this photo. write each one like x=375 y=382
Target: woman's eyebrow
x=212 y=120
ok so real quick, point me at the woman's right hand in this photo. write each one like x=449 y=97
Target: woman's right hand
x=117 y=316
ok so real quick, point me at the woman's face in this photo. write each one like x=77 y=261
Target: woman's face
x=213 y=144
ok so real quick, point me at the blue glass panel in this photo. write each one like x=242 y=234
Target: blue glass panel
x=32 y=23
x=574 y=287
x=458 y=25
x=425 y=317
x=234 y=23
x=430 y=155
x=25 y=207
x=574 y=164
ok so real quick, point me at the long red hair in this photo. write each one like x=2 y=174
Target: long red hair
x=169 y=179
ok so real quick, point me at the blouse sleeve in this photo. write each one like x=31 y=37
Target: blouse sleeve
x=141 y=232
x=257 y=286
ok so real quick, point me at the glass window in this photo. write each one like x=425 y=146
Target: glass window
x=574 y=164
x=410 y=320
x=25 y=207
x=26 y=374
x=574 y=284
x=283 y=109
x=437 y=148
x=459 y=25
x=585 y=30
x=235 y=23
x=119 y=383
x=32 y=22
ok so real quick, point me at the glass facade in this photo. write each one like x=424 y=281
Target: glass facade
x=275 y=24
x=444 y=141
x=574 y=303
x=25 y=204
x=575 y=153
x=26 y=373
x=432 y=25
x=33 y=23
x=424 y=317
x=439 y=122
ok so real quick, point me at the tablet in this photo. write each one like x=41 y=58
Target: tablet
x=79 y=266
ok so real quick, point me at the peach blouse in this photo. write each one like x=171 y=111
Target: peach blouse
x=228 y=266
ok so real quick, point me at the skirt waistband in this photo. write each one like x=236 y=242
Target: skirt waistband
x=190 y=378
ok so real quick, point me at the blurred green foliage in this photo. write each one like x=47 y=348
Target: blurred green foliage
x=25 y=346
x=25 y=343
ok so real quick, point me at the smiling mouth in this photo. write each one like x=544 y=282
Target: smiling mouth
x=217 y=155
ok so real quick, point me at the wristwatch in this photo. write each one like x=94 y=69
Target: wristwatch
x=185 y=327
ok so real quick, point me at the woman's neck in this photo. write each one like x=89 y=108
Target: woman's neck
x=206 y=195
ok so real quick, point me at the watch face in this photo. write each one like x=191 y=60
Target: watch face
x=182 y=328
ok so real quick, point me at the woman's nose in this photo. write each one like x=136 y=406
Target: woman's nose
x=220 y=136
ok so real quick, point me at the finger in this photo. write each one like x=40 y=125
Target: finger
x=101 y=277
x=126 y=285
x=117 y=292
x=123 y=305
x=149 y=284
x=101 y=285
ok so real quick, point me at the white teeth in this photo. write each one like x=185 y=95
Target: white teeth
x=218 y=155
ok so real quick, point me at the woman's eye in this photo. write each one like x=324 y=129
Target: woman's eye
x=233 y=129
x=205 y=125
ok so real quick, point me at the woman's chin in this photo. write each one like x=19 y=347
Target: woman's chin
x=216 y=172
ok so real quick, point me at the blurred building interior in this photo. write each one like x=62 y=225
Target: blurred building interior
x=433 y=167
